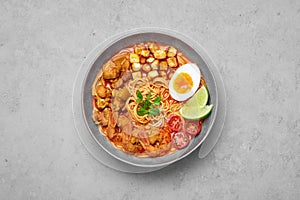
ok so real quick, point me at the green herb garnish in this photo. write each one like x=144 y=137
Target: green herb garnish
x=154 y=111
x=157 y=101
x=139 y=96
x=148 y=96
x=146 y=106
x=142 y=111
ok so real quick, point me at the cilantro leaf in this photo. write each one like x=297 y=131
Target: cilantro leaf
x=146 y=106
x=139 y=95
x=157 y=101
x=154 y=111
x=148 y=96
x=142 y=111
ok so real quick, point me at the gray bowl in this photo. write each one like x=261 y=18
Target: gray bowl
x=110 y=47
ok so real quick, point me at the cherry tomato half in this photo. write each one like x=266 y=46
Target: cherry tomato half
x=193 y=127
x=174 y=122
x=180 y=140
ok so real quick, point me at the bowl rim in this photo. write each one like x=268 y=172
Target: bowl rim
x=100 y=48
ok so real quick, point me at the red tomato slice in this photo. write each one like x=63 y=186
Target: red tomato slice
x=180 y=140
x=174 y=122
x=193 y=127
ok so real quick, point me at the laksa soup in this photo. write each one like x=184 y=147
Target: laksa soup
x=150 y=100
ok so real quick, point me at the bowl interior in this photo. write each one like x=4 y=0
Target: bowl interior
x=129 y=40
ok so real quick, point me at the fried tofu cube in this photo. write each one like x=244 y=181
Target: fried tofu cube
x=163 y=74
x=136 y=75
x=150 y=60
x=172 y=52
x=180 y=59
x=138 y=49
x=136 y=66
x=160 y=54
x=163 y=65
x=134 y=58
x=153 y=47
x=145 y=53
x=154 y=64
x=146 y=67
x=152 y=74
x=172 y=62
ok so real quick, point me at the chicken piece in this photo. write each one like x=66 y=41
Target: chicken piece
x=101 y=103
x=110 y=132
x=101 y=118
x=125 y=137
x=172 y=62
x=163 y=65
x=101 y=91
x=134 y=58
x=146 y=67
x=160 y=54
x=110 y=71
x=107 y=114
x=154 y=65
x=145 y=53
x=150 y=59
x=172 y=52
x=119 y=58
x=130 y=147
x=152 y=74
x=125 y=65
x=118 y=83
x=136 y=66
x=136 y=75
x=112 y=119
x=134 y=140
x=97 y=116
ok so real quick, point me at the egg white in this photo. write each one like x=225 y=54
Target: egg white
x=194 y=72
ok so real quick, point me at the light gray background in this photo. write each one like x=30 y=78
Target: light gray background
x=256 y=46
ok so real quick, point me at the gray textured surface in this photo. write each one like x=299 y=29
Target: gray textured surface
x=255 y=44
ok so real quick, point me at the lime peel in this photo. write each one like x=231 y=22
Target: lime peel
x=195 y=108
x=196 y=112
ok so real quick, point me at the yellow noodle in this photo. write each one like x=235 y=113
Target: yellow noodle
x=156 y=88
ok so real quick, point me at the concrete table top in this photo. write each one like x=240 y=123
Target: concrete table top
x=256 y=46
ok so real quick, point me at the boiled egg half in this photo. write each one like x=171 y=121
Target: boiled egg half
x=185 y=82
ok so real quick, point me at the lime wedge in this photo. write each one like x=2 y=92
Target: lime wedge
x=195 y=112
x=200 y=98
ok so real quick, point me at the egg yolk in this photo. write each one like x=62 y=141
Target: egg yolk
x=183 y=83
